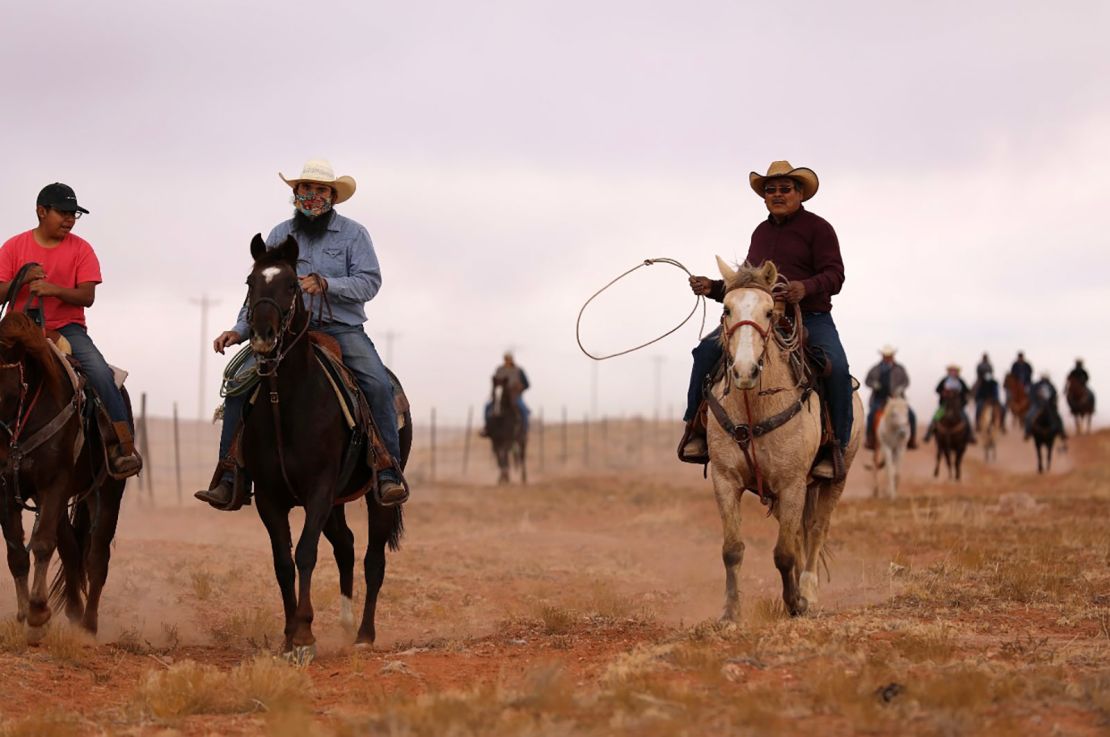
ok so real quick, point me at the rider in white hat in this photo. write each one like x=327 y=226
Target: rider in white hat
x=337 y=258
x=887 y=379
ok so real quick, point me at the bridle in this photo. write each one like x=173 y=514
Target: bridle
x=268 y=364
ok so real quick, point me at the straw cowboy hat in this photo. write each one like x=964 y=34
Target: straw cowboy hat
x=888 y=350
x=320 y=171
x=952 y=367
x=806 y=178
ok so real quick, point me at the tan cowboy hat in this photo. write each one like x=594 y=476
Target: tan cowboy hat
x=952 y=367
x=319 y=170
x=806 y=178
x=888 y=350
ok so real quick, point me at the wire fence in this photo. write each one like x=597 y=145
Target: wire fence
x=180 y=455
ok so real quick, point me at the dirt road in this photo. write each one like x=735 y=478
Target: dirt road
x=585 y=603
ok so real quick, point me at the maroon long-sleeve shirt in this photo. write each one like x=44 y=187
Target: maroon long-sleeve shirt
x=804 y=247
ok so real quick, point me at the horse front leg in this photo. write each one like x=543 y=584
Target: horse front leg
x=44 y=540
x=790 y=504
x=343 y=546
x=19 y=561
x=732 y=549
x=308 y=547
x=276 y=521
x=384 y=526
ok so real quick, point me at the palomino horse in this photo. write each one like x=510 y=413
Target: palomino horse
x=758 y=394
x=293 y=445
x=1017 y=400
x=952 y=434
x=1045 y=428
x=507 y=434
x=892 y=435
x=991 y=424
x=1081 y=402
x=49 y=459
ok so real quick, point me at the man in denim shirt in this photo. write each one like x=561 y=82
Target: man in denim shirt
x=337 y=258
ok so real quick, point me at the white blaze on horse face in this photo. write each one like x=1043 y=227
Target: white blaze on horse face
x=746 y=344
x=270 y=272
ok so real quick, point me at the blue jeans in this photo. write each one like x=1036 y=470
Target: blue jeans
x=822 y=334
x=96 y=370
x=360 y=356
x=520 y=405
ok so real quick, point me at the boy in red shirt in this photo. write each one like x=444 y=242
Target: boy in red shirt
x=65 y=280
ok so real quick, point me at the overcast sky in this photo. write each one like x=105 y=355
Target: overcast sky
x=512 y=157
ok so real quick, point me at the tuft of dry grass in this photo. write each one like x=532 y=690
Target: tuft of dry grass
x=68 y=644
x=557 y=620
x=47 y=724
x=13 y=636
x=202 y=583
x=257 y=627
x=193 y=688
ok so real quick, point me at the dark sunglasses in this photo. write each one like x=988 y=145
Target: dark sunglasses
x=781 y=189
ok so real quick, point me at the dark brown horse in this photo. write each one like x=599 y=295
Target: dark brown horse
x=952 y=434
x=1045 y=427
x=506 y=431
x=49 y=460
x=1081 y=402
x=1017 y=400
x=293 y=445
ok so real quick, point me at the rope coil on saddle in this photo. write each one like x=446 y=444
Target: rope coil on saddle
x=698 y=299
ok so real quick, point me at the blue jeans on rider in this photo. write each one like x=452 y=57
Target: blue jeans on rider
x=96 y=370
x=822 y=334
x=877 y=402
x=520 y=405
x=360 y=356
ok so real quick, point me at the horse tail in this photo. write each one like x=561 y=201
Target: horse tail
x=809 y=521
x=397 y=529
x=79 y=526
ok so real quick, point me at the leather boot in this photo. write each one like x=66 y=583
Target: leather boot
x=219 y=495
x=123 y=459
x=693 y=447
x=391 y=490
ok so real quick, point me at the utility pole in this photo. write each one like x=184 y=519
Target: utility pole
x=593 y=389
x=389 y=337
x=658 y=361
x=204 y=304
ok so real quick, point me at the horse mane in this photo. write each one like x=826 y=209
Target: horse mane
x=19 y=330
x=747 y=276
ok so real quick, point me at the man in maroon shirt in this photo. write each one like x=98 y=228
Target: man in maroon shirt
x=805 y=249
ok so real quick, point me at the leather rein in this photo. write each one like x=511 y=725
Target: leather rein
x=744 y=434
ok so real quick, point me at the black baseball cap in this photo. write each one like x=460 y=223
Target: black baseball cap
x=60 y=197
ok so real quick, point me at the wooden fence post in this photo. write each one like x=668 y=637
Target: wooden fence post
x=563 y=454
x=148 y=462
x=177 y=453
x=466 y=438
x=586 y=440
x=541 y=438
x=432 y=465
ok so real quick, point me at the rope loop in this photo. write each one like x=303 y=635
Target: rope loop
x=698 y=300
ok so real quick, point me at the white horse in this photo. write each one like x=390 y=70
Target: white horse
x=893 y=435
x=764 y=433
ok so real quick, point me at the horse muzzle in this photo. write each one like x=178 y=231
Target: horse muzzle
x=263 y=346
x=745 y=379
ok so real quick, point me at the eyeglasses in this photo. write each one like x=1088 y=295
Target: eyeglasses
x=75 y=214
x=781 y=189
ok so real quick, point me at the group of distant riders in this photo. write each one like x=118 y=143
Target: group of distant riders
x=888 y=378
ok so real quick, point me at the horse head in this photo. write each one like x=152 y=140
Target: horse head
x=746 y=323
x=24 y=354
x=273 y=293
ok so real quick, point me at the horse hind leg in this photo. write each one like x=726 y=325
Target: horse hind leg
x=69 y=580
x=343 y=546
x=384 y=529
x=104 y=511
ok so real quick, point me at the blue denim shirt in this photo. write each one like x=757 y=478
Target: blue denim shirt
x=344 y=256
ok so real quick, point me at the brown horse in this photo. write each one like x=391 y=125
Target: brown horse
x=1017 y=400
x=952 y=434
x=507 y=433
x=1045 y=426
x=1081 y=402
x=294 y=444
x=49 y=459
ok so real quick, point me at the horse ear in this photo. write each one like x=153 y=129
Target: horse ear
x=770 y=273
x=727 y=271
x=289 y=251
x=258 y=246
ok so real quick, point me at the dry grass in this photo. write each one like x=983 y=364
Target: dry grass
x=13 y=636
x=188 y=688
x=47 y=724
x=257 y=627
x=68 y=644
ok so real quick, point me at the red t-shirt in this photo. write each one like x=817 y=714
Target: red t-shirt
x=67 y=264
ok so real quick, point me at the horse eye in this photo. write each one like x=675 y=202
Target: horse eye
x=769 y=313
x=727 y=312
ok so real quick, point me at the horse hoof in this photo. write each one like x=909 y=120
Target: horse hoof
x=363 y=646
x=800 y=608
x=301 y=655
x=35 y=635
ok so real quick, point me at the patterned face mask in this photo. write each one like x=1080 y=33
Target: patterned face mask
x=312 y=205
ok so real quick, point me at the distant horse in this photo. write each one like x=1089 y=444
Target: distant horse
x=893 y=435
x=50 y=459
x=1017 y=400
x=507 y=433
x=1081 y=402
x=293 y=445
x=1045 y=427
x=951 y=434
x=991 y=423
x=759 y=394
